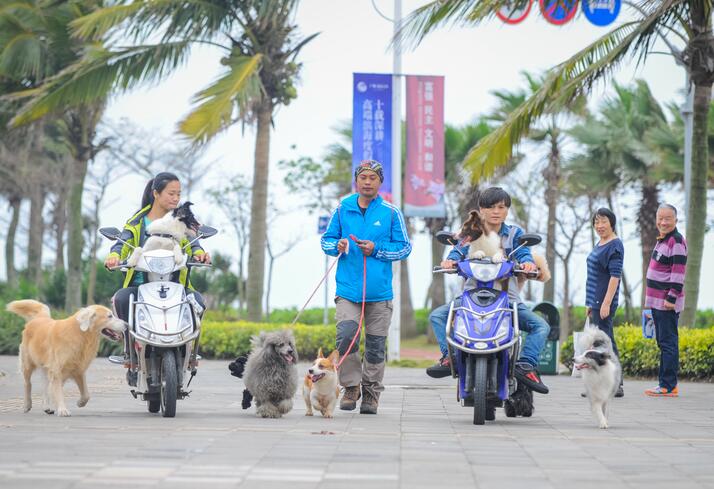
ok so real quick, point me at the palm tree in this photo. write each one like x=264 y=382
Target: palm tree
x=36 y=48
x=688 y=21
x=259 y=43
x=551 y=132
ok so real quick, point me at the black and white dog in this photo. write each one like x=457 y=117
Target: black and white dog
x=166 y=233
x=600 y=369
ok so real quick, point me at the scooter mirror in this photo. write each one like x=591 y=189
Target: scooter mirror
x=529 y=240
x=446 y=238
x=110 y=233
x=207 y=231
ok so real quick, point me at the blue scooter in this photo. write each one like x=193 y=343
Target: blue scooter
x=483 y=337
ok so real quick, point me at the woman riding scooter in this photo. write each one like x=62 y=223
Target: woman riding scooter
x=161 y=195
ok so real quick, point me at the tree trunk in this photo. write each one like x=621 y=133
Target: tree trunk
x=437 y=290
x=626 y=290
x=552 y=177
x=408 y=321
x=697 y=212
x=11 y=271
x=59 y=218
x=565 y=321
x=75 y=241
x=92 y=281
x=646 y=220
x=36 y=234
x=258 y=211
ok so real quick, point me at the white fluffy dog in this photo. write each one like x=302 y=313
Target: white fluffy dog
x=166 y=233
x=601 y=371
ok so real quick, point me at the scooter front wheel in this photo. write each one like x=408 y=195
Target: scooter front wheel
x=480 y=388
x=169 y=384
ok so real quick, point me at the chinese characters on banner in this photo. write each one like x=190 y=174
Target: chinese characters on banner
x=424 y=182
x=372 y=124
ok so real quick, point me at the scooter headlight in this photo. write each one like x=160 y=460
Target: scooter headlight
x=161 y=265
x=504 y=325
x=143 y=322
x=484 y=272
x=186 y=319
x=460 y=325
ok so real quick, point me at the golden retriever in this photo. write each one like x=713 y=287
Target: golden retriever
x=62 y=348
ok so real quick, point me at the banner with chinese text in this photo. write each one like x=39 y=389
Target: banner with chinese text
x=372 y=124
x=424 y=182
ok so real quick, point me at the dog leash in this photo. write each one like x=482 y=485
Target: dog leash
x=316 y=288
x=361 y=318
x=364 y=300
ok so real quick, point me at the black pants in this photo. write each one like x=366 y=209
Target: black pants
x=606 y=327
x=666 y=323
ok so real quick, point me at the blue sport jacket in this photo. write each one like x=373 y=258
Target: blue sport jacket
x=382 y=224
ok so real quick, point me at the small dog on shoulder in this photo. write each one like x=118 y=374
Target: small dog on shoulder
x=166 y=233
x=320 y=389
x=482 y=244
x=601 y=371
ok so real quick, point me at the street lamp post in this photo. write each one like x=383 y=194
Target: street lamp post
x=395 y=329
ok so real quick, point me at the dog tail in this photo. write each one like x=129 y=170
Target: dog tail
x=29 y=309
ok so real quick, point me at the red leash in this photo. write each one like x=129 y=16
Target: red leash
x=361 y=318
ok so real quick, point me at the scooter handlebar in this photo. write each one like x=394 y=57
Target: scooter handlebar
x=443 y=270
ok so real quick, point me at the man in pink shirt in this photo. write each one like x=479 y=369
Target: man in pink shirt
x=665 y=296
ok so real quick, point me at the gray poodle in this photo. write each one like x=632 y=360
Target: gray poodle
x=271 y=373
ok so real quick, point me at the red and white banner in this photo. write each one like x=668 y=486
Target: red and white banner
x=424 y=182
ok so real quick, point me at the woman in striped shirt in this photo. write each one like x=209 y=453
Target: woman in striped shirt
x=604 y=272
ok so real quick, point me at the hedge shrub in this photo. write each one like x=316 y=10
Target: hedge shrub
x=639 y=356
x=231 y=339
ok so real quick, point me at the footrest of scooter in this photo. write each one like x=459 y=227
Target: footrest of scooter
x=116 y=359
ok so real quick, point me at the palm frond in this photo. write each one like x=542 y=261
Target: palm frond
x=215 y=104
x=97 y=75
x=562 y=85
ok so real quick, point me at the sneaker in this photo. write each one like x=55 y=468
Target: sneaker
x=369 y=403
x=662 y=392
x=350 y=398
x=440 y=369
x=528 y=374
x=620 y=392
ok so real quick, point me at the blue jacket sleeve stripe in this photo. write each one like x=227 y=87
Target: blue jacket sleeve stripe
x=332 y=235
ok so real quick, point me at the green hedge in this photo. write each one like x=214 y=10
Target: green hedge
x=231 y=339
x=639 y=356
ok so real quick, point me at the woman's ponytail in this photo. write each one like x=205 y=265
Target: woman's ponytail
x=148 y=197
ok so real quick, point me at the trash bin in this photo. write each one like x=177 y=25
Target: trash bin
x=550 y=356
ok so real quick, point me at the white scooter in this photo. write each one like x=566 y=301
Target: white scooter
x=164 y=328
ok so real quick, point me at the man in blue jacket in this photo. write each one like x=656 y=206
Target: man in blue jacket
x=494 y=204
x=365 y=225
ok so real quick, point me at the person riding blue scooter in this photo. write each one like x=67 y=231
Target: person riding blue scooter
x=494 y=204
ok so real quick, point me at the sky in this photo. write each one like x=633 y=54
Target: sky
x=355 y=38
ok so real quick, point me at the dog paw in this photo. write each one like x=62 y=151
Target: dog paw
x=479 y=255
x=603 y=425
x=82 y=402
x=308 y=414
x=498 y=258
x=327 y=415
x=26 y=409
x=49 y=411
x=64 y=412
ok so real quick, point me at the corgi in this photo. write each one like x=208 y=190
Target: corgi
x=320 y=389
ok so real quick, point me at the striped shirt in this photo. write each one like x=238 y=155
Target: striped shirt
x=604 y=262
x=665 y=274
